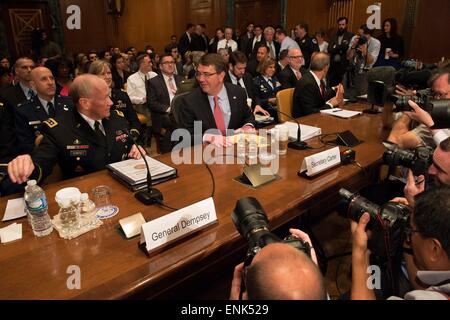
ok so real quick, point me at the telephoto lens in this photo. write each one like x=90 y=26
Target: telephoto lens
x=418 y=160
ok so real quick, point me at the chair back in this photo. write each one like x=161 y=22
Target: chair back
x=175 y=109
x=285 y=100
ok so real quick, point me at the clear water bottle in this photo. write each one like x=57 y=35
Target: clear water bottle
x=88 y=210
x=241 y=146
x=69 y=217
x=252 y=149
x=36 y=204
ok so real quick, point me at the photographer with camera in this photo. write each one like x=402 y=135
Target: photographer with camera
x=362 y=55
x=274 y=269
x=403 y=134
x=428 y=263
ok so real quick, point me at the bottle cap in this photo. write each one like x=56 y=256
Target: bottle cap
x=31 y=183
x=73 y=194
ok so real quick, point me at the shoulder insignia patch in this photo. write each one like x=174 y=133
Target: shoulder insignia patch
x=51 y=123
x=120 y=113
x=314 y=41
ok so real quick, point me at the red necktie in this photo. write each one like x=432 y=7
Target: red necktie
x=218 y=116
x=322 y=88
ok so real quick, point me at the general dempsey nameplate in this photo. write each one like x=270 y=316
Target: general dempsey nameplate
x=171 y=227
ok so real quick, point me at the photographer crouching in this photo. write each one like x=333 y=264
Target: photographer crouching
x=426 y=249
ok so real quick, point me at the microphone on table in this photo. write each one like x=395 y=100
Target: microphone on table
x=298 y=144
x=150 y=195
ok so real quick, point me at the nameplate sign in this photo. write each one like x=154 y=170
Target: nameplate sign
x=320 y=162
x=165 y=230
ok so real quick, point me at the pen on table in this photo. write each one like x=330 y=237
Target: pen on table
x=337 y=110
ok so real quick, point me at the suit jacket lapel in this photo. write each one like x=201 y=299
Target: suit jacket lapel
x=210 y=121
x=165 y=91
x=234 y=108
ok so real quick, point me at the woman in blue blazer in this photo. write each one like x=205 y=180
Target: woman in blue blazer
x=266 y=86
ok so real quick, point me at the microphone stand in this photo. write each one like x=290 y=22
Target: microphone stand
x=298 y=144
x=151 y=195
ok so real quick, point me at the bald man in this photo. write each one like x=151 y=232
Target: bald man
x=281 y=272
x=82 y=141
x=31 y=114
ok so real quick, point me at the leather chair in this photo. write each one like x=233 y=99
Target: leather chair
x=285 y=101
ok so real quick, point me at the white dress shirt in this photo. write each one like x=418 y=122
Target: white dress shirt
x=45 y=103
x=231 y=44
x=91 y=123
x=136 y=86
x=289 y=43
x=255 y=40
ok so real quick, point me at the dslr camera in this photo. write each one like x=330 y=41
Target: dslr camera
x=418 y=160
x=438 y=109
x=252 y=223
x=387 y=223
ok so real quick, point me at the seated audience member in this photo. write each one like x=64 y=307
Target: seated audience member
x=269 y=41
x=362 y=55
x=90 y=125
x=402 y=132
x=320 y=38
x=161 y=91
x=220 y=35
x=105 y=55
x=196 y=56
x=283 y=61
x=237 y=76
x=217 y=105
x=63 y=71
x=137 y=90
x=178 y=61
x=119 y=74
x=392 y=48
x=5 y=80
x=225 y=53
x=119 y=97
x=428 y=265
x=311 y=93
x=266 y=87
x=228 y=43
x=261 y=54
x=31 y=114
x=173 y=43
x=293 y=72
x=280 y=272
x=21 y=90
x=80 y=64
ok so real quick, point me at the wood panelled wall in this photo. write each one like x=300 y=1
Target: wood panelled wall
x=153 y=21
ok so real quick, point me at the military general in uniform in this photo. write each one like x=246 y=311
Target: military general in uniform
x=82 y=141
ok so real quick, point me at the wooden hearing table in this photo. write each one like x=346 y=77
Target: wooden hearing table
x=114 y=268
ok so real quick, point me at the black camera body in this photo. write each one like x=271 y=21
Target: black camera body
x=438 y=109
x=386 y=222
x=252 y=223
x=418 y=160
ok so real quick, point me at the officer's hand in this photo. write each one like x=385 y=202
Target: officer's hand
x=413 y=187
x=259 y=109
x=359 y=234
x=20 y=168
x=236 y=283
x=419 y=114
x=134 y=153
x=305 y=237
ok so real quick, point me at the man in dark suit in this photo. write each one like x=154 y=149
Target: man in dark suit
x=82 y=141
x=185 y=43
x=31 y=114
x=337 y=48
x=161 y=90
x=293 y=72
x=200 y=41
x=261 y=54
x=268 y=40
x=217 y=105
x=237 y=75
x=311 y=93
x=246 y=38
x=15 y=94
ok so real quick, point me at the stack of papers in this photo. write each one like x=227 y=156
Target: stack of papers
x=11 y=233
x=346 y=114
x=307 y=132
x=133 y=173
